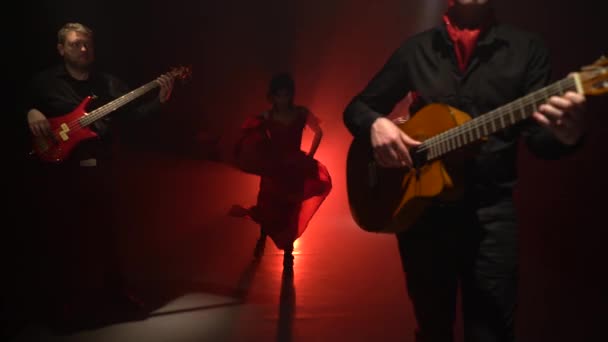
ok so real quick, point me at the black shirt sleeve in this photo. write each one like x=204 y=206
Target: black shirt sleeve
x=379 y=97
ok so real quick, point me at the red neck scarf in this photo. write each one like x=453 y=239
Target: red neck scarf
x=464 y=39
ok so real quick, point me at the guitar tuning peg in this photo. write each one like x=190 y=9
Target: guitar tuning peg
x=602 y=61
x=599 y=64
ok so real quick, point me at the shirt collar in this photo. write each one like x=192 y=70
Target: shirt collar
x=492 y=35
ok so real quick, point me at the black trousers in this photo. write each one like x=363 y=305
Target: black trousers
x=476 y=249
x=75 y=222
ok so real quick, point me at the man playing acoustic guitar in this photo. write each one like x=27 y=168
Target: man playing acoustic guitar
x=474 y=64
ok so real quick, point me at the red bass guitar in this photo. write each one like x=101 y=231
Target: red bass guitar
x=69 y=130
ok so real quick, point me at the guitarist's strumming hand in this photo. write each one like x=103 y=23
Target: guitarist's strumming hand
x=391 y=145
x=166 y=87
x=39 y=125
x=564 y=116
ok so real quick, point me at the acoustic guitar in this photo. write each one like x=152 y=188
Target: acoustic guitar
x=390 y=200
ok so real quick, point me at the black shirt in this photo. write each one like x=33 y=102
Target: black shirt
x=507 y=64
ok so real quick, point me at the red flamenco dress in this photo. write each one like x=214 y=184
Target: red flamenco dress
x=292 y=185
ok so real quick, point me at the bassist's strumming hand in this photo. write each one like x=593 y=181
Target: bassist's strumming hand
x=39 y=124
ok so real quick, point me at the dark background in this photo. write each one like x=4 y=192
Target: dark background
x=333 y=48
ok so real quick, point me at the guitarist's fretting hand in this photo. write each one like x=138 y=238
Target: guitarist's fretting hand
x=391 y=144
x=39 y=125
x=564 y=116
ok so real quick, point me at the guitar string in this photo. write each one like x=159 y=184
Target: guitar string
x=497 y=114
x=119 y=102
x=76 y=125
x=500 y=112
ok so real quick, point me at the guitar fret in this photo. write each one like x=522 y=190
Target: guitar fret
x=542 y=93
x=499 y=123
x=493 y=121
x=117 y=103
x=521 y=108
x=522 y=113
x=525 y=110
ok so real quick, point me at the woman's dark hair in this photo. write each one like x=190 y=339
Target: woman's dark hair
x=281 y=81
